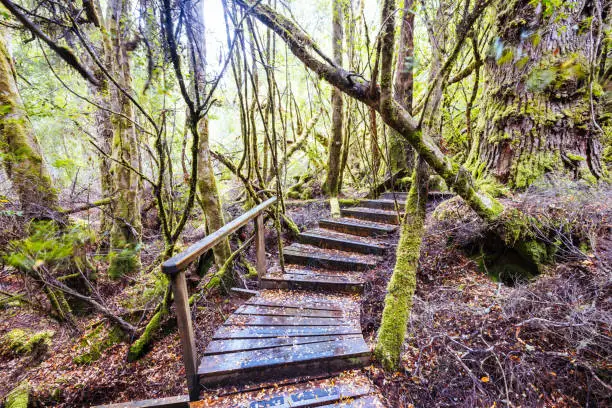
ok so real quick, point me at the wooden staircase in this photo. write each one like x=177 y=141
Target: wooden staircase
x=305 y=320
x=298 y=341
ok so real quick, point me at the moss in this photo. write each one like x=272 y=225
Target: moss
x=96 y=342
x=334 y=207
x=402 y=285
x=349 y=201
x=506 y=57
x=251 y=271
x=24 y=342
x=19 y=396
x=575 y=157
x=139 y=347
x=530 y=167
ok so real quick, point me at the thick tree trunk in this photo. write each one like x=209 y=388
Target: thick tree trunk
x=537 y=108
x=21 y=153
x=125 y=233
x=332 y=182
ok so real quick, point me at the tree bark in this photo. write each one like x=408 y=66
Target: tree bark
x=400 y=151
x=125 y=233
x=540 y=113
x=207 y=184
x=332 y=182
x=22 y=157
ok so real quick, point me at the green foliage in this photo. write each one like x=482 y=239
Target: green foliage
x=19 y=396
x=23 y=342
x=48 y=245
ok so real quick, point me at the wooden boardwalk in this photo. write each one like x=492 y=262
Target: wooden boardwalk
x=298 y=341
x=305 y=320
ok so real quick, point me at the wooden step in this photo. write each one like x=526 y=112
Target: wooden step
x=329 y=240
x=284 y=336
x=319 y=258
x=359 y=228
x=350 y=390
x=371 y=214
x=320 y=280
x=383 y=204
x=394 y=195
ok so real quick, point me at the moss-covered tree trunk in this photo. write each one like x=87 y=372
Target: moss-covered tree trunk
x=540 y=105
x=209 y=194
x=207 y=184
x=332 y=181
x=125 y=233
x=21 y=155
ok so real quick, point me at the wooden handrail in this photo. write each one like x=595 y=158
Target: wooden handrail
x=175 y=269
x=182 y=260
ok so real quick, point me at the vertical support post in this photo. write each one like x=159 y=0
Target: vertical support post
x=185 y=326
x=260 y=246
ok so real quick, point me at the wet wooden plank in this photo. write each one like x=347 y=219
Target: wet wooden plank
x=371 y=214
x=255 y=332
x=312 y=281
x=303 y=395
x=301 y=256
x=244 y=293
x=303 y=359
x=181 y=401
x=366 y=401
x=254 y=320
x=397 y=195
x=287 y=311
x=383 y=204
x=244 y=360
x=353 y=227
x=227 y=346
x=343 y=244
x=304 y=304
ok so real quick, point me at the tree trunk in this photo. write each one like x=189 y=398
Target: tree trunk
x=22 y=157
x=332 y=181
x=125 y=233
x=207 y=184
x=539 y=111
x=400 y=152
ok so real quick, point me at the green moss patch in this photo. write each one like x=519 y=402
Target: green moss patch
x=93 y=344
x=19 y=396
x=23 y=342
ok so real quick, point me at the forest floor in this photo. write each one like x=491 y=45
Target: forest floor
x=472 y=341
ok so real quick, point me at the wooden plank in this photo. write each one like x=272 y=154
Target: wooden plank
x=244 y=361
x=300 y=256
x=181 y=401
x=343 y=244
x=287 y=311
x=395 y=195
x=303 y=304
x=383 y=204
x=356 y=228
x=319 y=282
x=371 y=214
x=182 y=260
x=260 y=332
x=303 y=395
x=254 y=320
x=367 y=401
x=244 y=293
x=228 y=346
x=183 y=318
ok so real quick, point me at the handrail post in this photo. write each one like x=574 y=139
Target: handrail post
x=260 y=246
x=185 y=326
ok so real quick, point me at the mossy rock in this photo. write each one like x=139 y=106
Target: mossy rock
x=454 y=209
x=23 y=342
